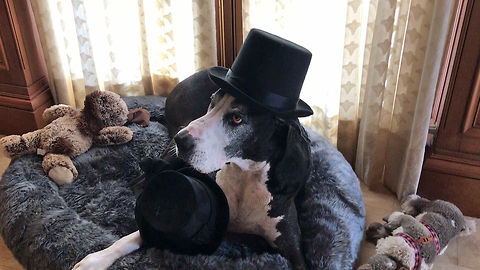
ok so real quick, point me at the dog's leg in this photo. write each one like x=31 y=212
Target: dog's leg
x=288 y=243
x=105 y=258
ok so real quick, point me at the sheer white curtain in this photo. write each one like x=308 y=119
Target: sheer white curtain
x=372 y=79
x=318 y=26
x=391 y=68
x=132 y=47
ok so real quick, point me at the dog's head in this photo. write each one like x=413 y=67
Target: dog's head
x=234 y=131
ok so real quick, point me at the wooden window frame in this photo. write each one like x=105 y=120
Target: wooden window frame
x=451 y=166
x=450 y=62
x=228 y=20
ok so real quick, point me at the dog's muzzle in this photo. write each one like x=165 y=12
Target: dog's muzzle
x=185 y=142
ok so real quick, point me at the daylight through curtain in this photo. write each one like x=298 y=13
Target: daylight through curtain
x=392 y=58
x=131 y=47
x=319 y=27
x=372 y=79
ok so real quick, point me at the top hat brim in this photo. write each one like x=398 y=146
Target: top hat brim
x=218 y=75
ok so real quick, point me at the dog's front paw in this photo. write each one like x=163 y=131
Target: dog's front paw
x=365 y=267
x=94 y=261
x=13 y=146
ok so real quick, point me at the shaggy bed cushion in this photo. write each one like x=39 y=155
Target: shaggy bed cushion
x=51 y=227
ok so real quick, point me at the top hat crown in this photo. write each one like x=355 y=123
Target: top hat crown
x=184 y=211
x=269 y=71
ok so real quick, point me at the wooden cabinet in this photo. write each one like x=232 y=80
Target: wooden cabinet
x=452 y=164
x=24 y=88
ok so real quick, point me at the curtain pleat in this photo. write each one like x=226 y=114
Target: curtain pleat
x=396 y=86
x=377 y=112
x=140 y=47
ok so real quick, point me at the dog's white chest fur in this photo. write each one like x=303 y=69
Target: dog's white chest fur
x=248 y=199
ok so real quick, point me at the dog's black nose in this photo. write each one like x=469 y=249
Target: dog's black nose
x=184 y=141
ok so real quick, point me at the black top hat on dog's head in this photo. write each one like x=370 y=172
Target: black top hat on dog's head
x=184 y=211
x=269 y=71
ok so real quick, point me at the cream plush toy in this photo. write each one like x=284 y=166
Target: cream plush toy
x=412 y=239
x=70 y=132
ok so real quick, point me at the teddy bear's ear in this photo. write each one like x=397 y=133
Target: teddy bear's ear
x=469 y=228
x=413 y=204
x=139 y=116
x=409 y=198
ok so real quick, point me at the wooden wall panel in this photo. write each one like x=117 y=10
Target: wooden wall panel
x=229 y=27
x=456 y=189
x=24 y=86
x=451 y=169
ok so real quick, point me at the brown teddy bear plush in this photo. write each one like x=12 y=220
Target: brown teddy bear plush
x=70 y=132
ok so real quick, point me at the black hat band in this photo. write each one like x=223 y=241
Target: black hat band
x=265 y=97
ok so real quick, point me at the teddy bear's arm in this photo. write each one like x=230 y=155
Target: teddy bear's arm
x=57 y=111
x=113 y=135
x=15 y=145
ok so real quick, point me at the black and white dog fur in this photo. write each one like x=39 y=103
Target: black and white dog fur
x=262 y=162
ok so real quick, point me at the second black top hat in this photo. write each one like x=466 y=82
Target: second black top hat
x=184 y=211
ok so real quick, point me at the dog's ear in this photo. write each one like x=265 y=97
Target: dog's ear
x=293 y=168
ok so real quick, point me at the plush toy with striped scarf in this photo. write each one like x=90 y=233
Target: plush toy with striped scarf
x=413 y=238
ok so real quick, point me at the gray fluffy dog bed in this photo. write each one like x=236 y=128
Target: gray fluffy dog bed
x=47 y=227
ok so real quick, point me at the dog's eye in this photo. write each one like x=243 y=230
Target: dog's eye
x=237 y=119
